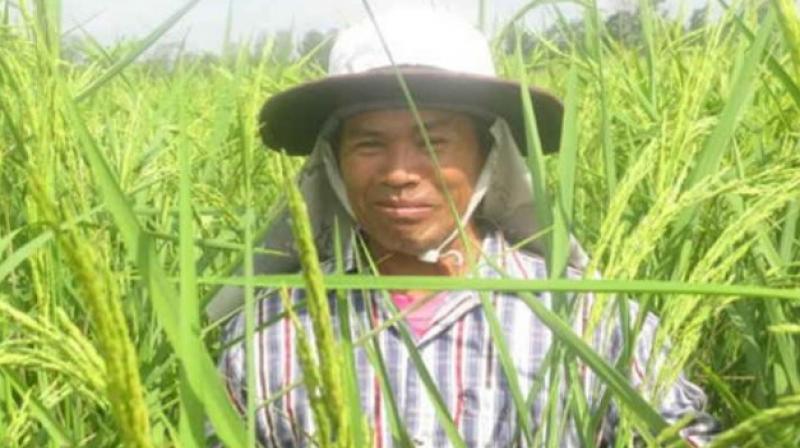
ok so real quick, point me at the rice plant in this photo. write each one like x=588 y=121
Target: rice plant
x=132 y=191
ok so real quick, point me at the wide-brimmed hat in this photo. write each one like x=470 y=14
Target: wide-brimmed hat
x=445 y=62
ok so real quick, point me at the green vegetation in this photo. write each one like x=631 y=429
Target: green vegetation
x=130 y=191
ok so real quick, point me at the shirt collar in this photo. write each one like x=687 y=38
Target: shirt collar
x=458 y=303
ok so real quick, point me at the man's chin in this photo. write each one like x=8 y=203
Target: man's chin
x=409 y=245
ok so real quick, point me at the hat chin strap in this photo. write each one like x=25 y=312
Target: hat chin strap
x=481 y=187
x=430 y=255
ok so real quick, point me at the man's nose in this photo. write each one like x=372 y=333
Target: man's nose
x=405 y=163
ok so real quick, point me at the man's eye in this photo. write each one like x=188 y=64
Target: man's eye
x=436 y=143
x=368 y=145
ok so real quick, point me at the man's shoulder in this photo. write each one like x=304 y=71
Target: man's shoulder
x=523 y=262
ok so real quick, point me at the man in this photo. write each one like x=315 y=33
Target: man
x=457 y=211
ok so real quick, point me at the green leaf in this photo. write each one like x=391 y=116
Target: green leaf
x=51 y=424
x=368 y=282
x=146 y=43
x=22 y=253
x=192 y=417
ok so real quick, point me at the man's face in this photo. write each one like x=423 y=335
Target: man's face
x=391 y=181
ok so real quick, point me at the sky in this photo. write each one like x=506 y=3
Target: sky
x=204 y=27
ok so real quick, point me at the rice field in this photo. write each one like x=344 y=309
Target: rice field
x=130 y=191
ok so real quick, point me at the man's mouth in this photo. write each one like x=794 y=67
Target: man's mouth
x=404 y=210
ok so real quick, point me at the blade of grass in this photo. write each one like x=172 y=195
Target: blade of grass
x=191 y=417
x=789 y=21
x=646 y=14
x=48 y=18
x=356 y=415
x=377 y=360
x=520 y=13
x=741 y=407
x=507 y=364
x=101 y=50
x=6 y=240
x=49 y=422
x=369 y=282
x=226 y=39
x=249 y=335
x=579 y=406
x=568 y=151
x=145 y=44
x=543 y=213
x=246 y=146
x=774 y=65
x=372 y=348
x=594 y=44
x=789 y=234
x=23 y=253
x=767 y=421
x=567 y=164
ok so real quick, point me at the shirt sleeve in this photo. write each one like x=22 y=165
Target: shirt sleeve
x=232 y=364
x=231 y=367
x=681 y=400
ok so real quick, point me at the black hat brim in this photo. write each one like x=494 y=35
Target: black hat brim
x=291 y=120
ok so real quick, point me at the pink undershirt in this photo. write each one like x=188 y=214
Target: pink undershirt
x=421 y=319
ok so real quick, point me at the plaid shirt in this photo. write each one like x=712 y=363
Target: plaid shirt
x=460 y=356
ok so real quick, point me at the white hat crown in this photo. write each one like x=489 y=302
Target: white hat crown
x=421 y=37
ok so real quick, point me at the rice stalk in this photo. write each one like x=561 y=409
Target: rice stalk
x=17 y=431
x=774 y=421
x=124 y=387
x=311 y=375
x=357 y=420
x=61 y=348
x=686 y=315
x=633 y=246
x=785 y=328
x=330 y=366
x=41 y=410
